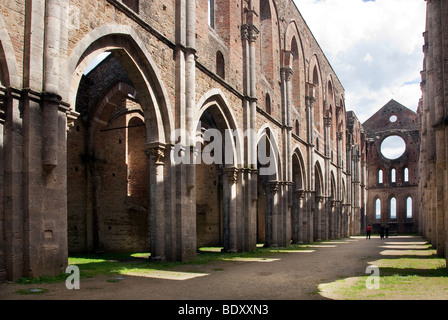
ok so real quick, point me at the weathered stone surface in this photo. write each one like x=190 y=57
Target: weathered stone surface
x=101 y=174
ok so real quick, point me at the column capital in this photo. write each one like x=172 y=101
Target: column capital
x=340 y=135
x=231 y=174
x=273 y=185
x=286 y=73
x=249 y=32
x=157 y=151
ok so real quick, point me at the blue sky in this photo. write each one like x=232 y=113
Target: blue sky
x=375 y=48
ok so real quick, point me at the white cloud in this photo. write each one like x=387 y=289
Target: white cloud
x=368 y=58
x=375 y=48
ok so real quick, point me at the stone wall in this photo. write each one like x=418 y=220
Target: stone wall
x=393 y=177
x=89 y=161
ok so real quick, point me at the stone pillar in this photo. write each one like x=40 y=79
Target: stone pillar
x=3 y=102
x=156 y=164
x=328 y=218
x=230 y=225
x=318 y=217
x=272 y=202
x=183 y=175
x=298 y=232
x=13 y=196
x=51 y=100
x=341 y=195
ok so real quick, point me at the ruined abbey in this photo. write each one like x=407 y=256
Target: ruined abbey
x=206 y=123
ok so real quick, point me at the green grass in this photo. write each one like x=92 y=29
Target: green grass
x=412 y=277
x=113 y=264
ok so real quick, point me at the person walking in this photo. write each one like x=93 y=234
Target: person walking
x=369 y=231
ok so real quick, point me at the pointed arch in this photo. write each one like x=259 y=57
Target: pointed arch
x=333 y=190
x=319 y=180
x=124 y=42
x=269 y=39
x=215 y=102
x=315 y=77
x=9 y=74
x=299 y=172
x=268 y=153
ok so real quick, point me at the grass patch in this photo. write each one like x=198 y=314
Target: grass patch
x=114 y=264
x=401 y=278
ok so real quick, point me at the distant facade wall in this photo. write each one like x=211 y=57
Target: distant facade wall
x=392 y=183
x=433 y=126
x=73 y=172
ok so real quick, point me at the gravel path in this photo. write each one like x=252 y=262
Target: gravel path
x=282 y=276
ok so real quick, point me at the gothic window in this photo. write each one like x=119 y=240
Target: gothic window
x=211 y=13
x=380 y=176
x=393 y=208
x=378 y=209
x=409 y=208
x=266 y=39
x=220 y=64
x=132 y=4
x=268 y=103
x=393 y=177
x=406 y=175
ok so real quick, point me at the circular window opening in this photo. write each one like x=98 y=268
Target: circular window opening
x=393 y=147
x=393 y=119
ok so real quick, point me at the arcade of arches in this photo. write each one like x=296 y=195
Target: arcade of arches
x=89 y=159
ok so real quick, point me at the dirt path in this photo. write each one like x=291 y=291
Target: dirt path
x=283 y=276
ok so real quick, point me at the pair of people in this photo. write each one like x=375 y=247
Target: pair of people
x=384 y=231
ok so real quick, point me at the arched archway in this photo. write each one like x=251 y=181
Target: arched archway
x=115 y=115
x=124 y=43
x=298 y=219
x=217 y=176
x=268 y=220
x=318 y=205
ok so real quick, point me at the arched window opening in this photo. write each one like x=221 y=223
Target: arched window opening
x=380 y=176
x=393 y=176
x=393 y=208
x=266 y=39
x=220 y=64
x=378 y=209
x=268 y=104
x=315 y=77
x=409 y=209
x=211 y=13
x=406 y=175
x=136 y=159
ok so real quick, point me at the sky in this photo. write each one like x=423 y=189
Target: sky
x=374 y=46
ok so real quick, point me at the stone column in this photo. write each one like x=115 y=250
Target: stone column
x=310 y=100
x=298 y=220
x=318 y=232
x=328 y=217
x=156 y=164
x=51 y=100
x=272 y=196
x=230 y=225
x=341 y=196
x=3 y=101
